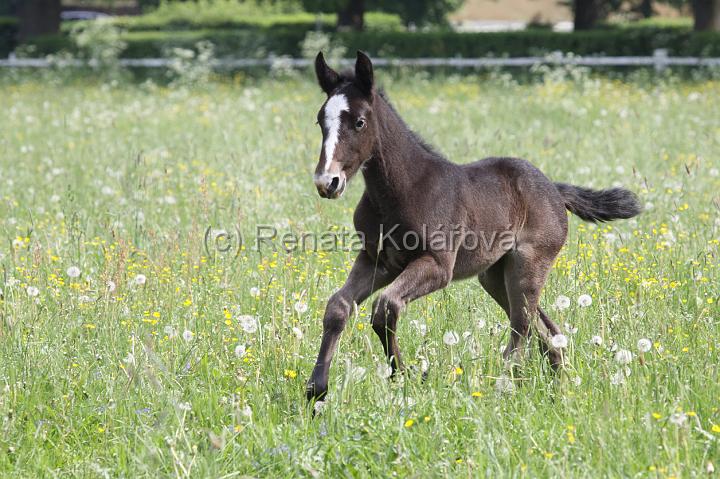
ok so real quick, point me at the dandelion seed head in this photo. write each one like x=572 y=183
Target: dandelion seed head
x=383 y=371
x=617 y=378
x=644 y=345
x=678 y=418
x=559 y=341
x=584 y=300
x=562 y=302
x=623 y=356
x=248 y=323
x=301 y=307
x=451 y=338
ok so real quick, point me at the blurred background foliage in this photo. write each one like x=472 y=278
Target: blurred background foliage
x=392 y=28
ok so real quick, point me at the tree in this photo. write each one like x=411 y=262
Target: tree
x=421 y=12
x=588 y=13
x=38 y=17
x=351 y=16
x=350 y=13
x=706 y=14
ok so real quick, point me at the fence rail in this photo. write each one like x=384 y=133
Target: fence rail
x=659 y=60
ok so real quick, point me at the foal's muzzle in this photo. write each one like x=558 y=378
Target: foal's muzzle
x=330 y=185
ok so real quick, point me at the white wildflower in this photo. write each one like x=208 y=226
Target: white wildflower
x=596 y=340
x=73 y=272
x=187 y=335
x=318 y=407
x=678 y=418
x=617 y=378
x=297 y=332
x=585 y=300
x=254 y=291
x=559 y=341
x=383 y=370
x=247 y=411
x=644 y=345
x=240 y=350
x=562 y=302
x=623 y=356
x=32 y=291
x=301 y=307
x=451 y=338
x=139 y=280
x=248 y=323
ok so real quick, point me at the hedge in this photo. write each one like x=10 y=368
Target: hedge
x=374 y=21
x=8 y=33
x=286 y=40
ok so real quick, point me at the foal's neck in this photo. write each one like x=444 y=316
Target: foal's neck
x=399 y=160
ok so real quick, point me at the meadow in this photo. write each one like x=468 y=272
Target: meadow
x=139 y=339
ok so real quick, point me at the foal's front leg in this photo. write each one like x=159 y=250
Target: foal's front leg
x=364 y=278
x=422 y=276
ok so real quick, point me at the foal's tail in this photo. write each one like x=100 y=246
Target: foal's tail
x=599 y=205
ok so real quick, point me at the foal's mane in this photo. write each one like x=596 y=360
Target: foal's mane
x=348 y=76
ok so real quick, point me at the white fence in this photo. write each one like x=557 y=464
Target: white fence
x=659 y=60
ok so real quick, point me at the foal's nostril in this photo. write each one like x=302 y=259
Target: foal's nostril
x=333 y=186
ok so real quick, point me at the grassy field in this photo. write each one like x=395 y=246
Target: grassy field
x=134 y=344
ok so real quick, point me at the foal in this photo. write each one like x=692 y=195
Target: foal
x=412 y=191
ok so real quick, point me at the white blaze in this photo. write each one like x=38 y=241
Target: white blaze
x=334 y=106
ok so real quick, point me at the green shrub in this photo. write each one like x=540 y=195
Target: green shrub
x=286 y=40
x=614 y=42
x=227 y=14
x=8 y=33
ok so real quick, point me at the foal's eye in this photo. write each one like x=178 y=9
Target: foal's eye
x=360 y=123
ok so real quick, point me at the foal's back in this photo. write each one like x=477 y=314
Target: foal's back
x=509 y=198
x=519 y=188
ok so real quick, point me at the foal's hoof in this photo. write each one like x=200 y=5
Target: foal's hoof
x=422 y=370
x=315 y=392
x=557 y=361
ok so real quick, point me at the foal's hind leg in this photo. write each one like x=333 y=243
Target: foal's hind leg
x=493 y=282
x=526 y=270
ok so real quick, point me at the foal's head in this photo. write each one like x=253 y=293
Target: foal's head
x=348 y=127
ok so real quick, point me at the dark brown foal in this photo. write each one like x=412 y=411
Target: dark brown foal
x=426 y=221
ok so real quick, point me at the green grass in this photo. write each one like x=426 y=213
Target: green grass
x=124 y=180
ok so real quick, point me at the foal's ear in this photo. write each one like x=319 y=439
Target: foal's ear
x=364 y=73
x=326 y=76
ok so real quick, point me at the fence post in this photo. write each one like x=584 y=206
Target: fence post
x=660 y=56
